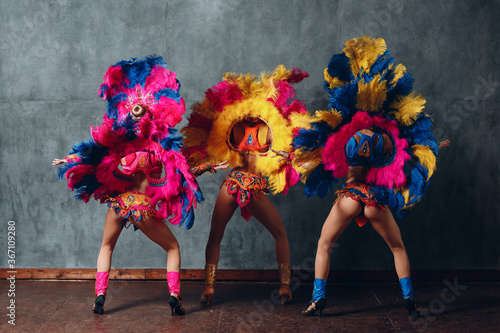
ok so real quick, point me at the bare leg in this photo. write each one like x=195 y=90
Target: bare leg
x=342 y=213
x=158 y=232
x=225 y=205
x=265 y=212
x=110 y=235
x=383 y=222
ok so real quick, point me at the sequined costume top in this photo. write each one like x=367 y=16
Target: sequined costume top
x=143 y=162
x=254 y=133
x=368 y=151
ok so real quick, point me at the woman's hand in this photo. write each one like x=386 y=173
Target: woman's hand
x=58 y=161
x=285 y=156
x=444 y=144
x=222 y=165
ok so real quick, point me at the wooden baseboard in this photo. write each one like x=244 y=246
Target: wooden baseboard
x=248 y=275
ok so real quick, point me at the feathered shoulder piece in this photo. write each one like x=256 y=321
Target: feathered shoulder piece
x=368 y=90
x=144 y=105
x=269 y=98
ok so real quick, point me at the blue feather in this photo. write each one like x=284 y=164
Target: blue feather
x=343 y=98
x=88 y=184
x=403 y=87
x=339 y=67
x=381 y=63
x=89 y=151
x=314 y=138
x=420 y=133
x=187 y=212
x=138 y=69
x=384 y=196
x=197 y=192
x=319 y=182
x=102 y=90
x=188 y=220
x=61 y=171
x=199 y=195
x=129 y=124
x=172 y=142
x=113 y=103
x=167 y=92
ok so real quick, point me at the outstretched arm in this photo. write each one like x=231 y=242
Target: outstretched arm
x=67 y=159
x=201 y=169
x=58 y=161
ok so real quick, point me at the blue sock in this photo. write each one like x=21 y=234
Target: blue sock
x=319 y=289
x=406 y=287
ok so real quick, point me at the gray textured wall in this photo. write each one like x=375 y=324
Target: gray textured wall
x=54 y=54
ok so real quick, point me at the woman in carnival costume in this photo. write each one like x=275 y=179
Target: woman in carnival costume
x=377 y=135
x=133 y=162
x=243 y=120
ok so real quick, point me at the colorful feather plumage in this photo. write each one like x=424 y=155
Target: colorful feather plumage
x=144 y=82
x=368 y=90
x=237 y=97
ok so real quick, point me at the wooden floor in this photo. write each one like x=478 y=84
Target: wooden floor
x=142 y=306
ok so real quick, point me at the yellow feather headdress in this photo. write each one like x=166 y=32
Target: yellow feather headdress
x=240 y=96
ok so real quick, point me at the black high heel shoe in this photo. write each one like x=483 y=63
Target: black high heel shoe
x=176 y=306
x=314 y=306
x=99 y=304
x=412 y=308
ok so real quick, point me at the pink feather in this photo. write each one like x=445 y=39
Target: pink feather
x=291 y=176
x=159 y=79
x=334 y=157
x=222 y=94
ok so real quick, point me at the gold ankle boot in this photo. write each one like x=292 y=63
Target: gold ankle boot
x=285 y=271
x=209 y=291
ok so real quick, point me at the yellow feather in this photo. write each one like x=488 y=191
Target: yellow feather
x=408 y=108
x=300 y=120
x=426 y=158
x=363 y=52
x=406 y=194
x=206 y=109
x=398 y=72
x=333 y=82
x=194 y=136
x=331 y=117
x=281 y=73
x=270 y=90
x=371 y=95
x=312 y=165
x=310 y=160
x=277 y=182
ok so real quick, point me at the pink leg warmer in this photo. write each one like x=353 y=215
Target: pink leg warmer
x=174 y=282
x=101 y=283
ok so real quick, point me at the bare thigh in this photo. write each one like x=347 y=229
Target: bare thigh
x=342 y=213
x=112 y=229
x=224 y=208
x=266 y=213
x=156 y=230
x=383 y=222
